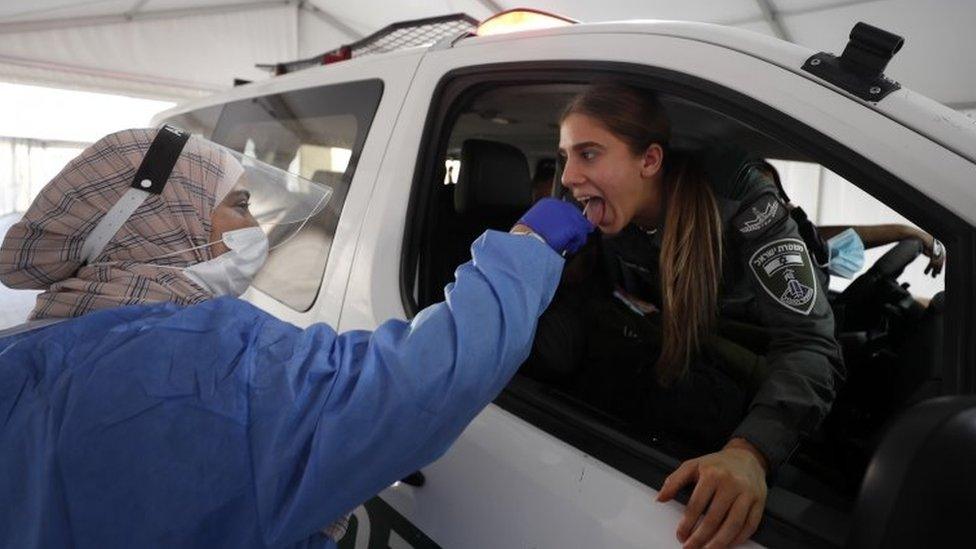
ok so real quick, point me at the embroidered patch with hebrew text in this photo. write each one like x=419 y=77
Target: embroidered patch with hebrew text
x=783 y=268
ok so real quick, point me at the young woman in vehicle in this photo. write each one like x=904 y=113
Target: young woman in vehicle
x=696 y=243
x=136 y=410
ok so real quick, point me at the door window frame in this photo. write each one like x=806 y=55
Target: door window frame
x=786 y=522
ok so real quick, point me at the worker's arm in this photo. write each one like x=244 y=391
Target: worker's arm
x=365 y=409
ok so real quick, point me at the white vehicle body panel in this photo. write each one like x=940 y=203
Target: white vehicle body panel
x=520 y=487
x=506 y=483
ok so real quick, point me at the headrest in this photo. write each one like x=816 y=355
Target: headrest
x=327 y=177
x=545 y=169
x=493 y=177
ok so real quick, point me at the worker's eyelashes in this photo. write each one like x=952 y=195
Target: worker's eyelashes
x=240 y=199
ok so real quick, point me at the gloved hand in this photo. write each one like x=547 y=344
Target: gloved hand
x=559 y=223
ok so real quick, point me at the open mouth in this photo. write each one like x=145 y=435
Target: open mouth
x=594 y=209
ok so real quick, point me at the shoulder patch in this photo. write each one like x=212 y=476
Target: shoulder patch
x=783 y=268
x=764 y=212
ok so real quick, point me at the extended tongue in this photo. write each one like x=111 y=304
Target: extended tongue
x=594 y=210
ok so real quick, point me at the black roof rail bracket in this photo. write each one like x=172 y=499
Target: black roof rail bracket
x=860 y=69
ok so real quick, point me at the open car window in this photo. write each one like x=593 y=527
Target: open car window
x=832 y=201
x=515 y=128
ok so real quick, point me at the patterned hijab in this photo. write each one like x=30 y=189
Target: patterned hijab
x=43 y=250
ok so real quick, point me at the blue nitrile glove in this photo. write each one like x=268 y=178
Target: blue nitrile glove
x=559 y=223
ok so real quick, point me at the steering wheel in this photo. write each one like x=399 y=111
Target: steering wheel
x=868 y=296
x=894 y=261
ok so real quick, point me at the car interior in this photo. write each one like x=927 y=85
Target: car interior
x=891 y=343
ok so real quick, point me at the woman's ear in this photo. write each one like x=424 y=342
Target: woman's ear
x=652 y=161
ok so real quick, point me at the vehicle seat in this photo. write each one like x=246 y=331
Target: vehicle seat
x=328 y=178
x=920 y=488
x=921 y=354
x=493 y=191
x=493 y=188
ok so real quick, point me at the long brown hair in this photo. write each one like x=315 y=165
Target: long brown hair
x=691 y=249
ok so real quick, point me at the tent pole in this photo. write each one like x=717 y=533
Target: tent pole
x=804 y=11
x=330 y=19
x=74 y=22
x=192 y=88
x=772 y=19
x=136 y=8
x=492 y=6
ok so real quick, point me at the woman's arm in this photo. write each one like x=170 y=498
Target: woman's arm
x=805 y=367
x=351 y=414
x=879 y=235
x=804 y=358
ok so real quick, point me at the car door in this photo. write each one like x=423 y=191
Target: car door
x=534 y=472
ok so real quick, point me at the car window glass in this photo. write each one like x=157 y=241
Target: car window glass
x=317 y=133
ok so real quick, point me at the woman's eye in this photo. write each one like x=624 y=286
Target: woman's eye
x=588 y=155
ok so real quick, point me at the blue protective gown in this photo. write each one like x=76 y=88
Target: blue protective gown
x=218 y=425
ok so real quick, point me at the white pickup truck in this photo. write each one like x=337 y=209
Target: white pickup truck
x=393 y=133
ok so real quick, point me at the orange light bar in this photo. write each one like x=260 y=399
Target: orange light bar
x=521 y=19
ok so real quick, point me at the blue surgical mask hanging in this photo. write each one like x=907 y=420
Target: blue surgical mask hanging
x=846 y=254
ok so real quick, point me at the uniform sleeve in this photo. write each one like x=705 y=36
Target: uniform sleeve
x=804 y=358
x=353 y=413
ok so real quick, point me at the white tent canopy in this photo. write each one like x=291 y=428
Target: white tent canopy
x=174 y=49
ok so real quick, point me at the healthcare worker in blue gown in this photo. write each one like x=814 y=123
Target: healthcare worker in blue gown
x=145 y=406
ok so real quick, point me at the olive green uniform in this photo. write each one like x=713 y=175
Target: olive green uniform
x=771 y=289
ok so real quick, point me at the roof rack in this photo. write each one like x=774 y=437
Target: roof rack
x=405 y=34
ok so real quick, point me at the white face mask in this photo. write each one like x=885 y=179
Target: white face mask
x=232 y=272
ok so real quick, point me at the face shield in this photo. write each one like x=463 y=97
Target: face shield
x=263 y=210
x=275 y=203
x=282 y=203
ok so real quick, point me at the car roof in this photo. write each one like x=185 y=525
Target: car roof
x=925 y=116
x=345 y=71
x=946 y=126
